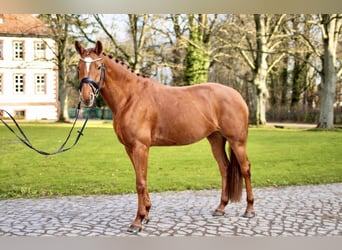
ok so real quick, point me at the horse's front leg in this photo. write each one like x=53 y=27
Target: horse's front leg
x=139 y=157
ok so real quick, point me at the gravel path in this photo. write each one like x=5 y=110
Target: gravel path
x=287 y=211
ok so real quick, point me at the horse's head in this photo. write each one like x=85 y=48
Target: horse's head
x=91 y=72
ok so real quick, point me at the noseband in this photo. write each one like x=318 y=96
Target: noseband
x=88 y=80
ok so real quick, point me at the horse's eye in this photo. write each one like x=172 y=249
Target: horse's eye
x=99 y=67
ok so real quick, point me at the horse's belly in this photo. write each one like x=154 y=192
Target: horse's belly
x=162 y=141
x=182 y=134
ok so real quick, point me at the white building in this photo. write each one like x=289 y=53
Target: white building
x=28 y=75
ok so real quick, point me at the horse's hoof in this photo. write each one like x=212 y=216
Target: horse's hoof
x=145 y=221
x=134 y=229
x=217 y=213
x=248 y=214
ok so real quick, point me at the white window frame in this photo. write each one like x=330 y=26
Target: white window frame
x=20 y=114
x=39 y=50
x=18 y=51
x=40 y=84
x=19 y=85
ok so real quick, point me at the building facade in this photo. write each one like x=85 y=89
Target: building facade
x=28 y=74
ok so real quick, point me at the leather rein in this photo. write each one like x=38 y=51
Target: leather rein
x=24 y=139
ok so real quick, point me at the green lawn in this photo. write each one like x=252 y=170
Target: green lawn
x=99 y=164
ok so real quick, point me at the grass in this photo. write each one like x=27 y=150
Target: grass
x=99 y=164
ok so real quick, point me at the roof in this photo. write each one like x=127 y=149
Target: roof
x=23 y=25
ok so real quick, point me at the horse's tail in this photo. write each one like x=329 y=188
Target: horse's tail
x=234 y=178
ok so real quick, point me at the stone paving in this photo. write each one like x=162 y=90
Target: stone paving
x=284 y=211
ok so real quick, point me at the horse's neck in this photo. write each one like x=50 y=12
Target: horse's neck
x=120 y=86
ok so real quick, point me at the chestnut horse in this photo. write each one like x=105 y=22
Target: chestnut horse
x=147 y=113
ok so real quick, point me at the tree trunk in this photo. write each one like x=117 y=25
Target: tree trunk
x=328 y=85
x=259 y=82
x=177 y=53
x=196 y=65
x=260 y=71
x=59 y=25
x=62 y=91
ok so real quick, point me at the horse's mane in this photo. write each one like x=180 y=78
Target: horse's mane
x=118 y=61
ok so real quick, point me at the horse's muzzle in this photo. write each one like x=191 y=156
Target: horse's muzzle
x=88 y=102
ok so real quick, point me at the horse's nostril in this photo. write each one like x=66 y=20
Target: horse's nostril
x=88 y=102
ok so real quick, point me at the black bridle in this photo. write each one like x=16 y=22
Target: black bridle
x=93 y=84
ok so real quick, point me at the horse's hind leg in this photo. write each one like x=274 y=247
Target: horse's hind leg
x=218 y=142
x=239 y=150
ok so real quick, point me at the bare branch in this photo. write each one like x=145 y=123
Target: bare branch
x=190 y=42
x=271 y=49
x=306 y=60
x=110 y=36
x=338 y=26
x=275 y=62
x=307 y=42
x=81 y=29
x=275 y=29
x=339 y=73
x=247 y=59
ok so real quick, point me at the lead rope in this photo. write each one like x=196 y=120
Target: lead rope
x=23 y=138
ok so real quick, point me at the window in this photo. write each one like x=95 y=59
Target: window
x=19 y=114
x=39 y=81
x=18 y=50
x=19 y=83
x=39 y=50
x=1 y=50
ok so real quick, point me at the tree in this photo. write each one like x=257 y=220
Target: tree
x=331 y=29
x=59 y=25
x=268 y=37
x=179 y=42
x=258 y=38
x=135 y=50
x=328 y=27
x=299 y=77
x=63 y=30
x=185 y=41
x=298 y=59
x=169 y=35
x=197 y=58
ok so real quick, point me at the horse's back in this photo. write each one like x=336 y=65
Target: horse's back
x=218 y=99
x=207 y=91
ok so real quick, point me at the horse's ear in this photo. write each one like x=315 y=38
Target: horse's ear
x=79 y=48
x=98 y=48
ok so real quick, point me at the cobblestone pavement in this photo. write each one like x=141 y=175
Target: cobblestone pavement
x=285 y=211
